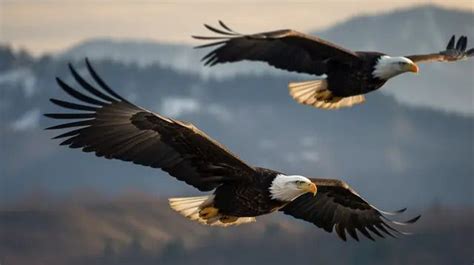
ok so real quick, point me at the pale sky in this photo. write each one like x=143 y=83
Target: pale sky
x=47 y=26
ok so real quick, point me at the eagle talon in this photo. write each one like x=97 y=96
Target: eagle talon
x=228 y=219
x=208 y=212
x=325 y=95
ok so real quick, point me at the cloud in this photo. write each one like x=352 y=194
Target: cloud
x=310 y=156
x=308 y=141
x=220 y=112
x=178 y=106
x=395 y=159
x=302 y=156
x=267 y=144
x=29 y=120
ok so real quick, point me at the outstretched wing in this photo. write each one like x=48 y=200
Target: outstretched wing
x=337 y=205
x=111 y=127
x=451 y=54
x=284 y=49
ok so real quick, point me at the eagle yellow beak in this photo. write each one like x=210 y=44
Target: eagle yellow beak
x=413 y=68
x=311 y=188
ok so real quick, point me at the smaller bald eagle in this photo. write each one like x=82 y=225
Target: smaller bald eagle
x=108 y=125
x=345 y=75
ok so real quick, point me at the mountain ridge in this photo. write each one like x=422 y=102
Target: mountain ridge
x=360 y=145
x=422 y=29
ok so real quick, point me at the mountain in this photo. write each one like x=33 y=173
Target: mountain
x=139 y=229
x=382 y=147
x=409 y=31
x=179 y=57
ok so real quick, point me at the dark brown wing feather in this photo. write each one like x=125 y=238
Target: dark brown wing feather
x=451 y=54
x=110 y=126
x=284 y=49
x=337 y=206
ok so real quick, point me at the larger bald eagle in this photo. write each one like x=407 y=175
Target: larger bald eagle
x=110 y=126
x=345 y=75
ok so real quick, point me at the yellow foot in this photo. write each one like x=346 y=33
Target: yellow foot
x=334 y=99
x=208 y=212
x=324 y=95
x=228 y=219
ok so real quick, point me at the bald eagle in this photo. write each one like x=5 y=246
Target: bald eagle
x=104 y=123
x=345 y=75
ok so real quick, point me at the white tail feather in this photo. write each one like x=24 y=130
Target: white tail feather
x=190 y=207
x=316 y=93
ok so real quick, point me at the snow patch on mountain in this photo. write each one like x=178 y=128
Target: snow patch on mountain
x=22 y=76
x=179 y=106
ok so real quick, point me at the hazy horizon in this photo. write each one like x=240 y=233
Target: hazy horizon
x=59 y=25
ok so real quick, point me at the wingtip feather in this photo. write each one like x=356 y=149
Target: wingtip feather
x=451 y=43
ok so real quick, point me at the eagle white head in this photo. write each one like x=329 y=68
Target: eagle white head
x=388 y=67
x=288 y=188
